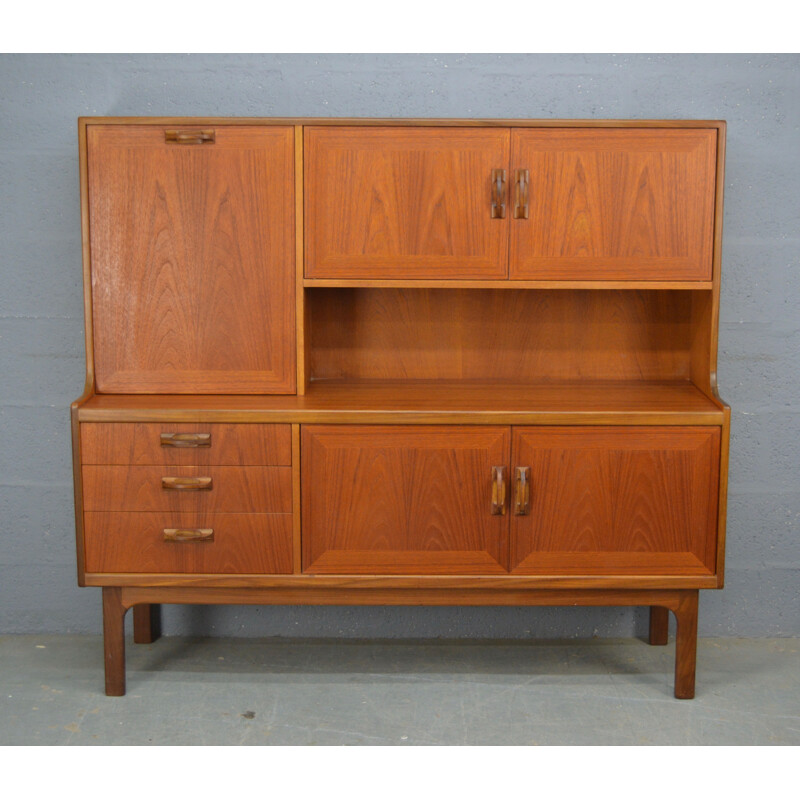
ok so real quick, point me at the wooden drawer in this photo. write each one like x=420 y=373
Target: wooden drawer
x=139 y=444
x=135 y=542
x=230 y=489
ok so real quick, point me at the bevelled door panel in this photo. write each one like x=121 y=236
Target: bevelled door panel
x=612 y=204
x=411 y=202
x=404 y=499
x=614 y=501
x=192 y=258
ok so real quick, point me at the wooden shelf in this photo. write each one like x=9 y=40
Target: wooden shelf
x=430 y=402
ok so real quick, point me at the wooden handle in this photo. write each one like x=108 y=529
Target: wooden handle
x=184 y=484
x=522 y=491
x=190 y=137
x=521 y=209
x=188 y=534
x=498 y=194
x=186 y=440
x=498 y=491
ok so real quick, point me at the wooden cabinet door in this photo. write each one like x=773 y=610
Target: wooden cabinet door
x=192 y=260
x=402 y=499
x=383 y=203
x=613 y=204
x=616 y=501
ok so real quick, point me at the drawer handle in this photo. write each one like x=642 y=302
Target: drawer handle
x=188 y=534
x=498 y=194
x=186 y=440
x=523 y=178
x=190 y=137
x=522 y=491
x=182 y=484
x=498 y=491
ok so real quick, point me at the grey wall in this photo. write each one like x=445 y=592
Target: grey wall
x=41 y=324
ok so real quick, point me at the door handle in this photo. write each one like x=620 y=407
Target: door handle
x=190 y=137
x=522 y=181
x=522 y=491
x=498 y=491
x=498 y=194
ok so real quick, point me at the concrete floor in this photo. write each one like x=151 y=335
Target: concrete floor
x=284 y=691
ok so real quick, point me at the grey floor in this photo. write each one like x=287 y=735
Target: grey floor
x=283 y=691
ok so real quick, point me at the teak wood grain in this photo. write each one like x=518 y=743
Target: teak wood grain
x=133 y=542
x=192 y=252
x=615 y=204
x=139 y=444
x=622 y=500
x=404 y=203
x=400 y=499
x=244 y=489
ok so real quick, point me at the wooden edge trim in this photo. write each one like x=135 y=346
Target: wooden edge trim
x=77 y=483
x=716 y=274
x=296 y=505
x=348 y=587
x=409 y=121
x=401 y=417
x=671 y=599
x=722 y=515
x=299 y=260
x=325 y=283
x=83 y=161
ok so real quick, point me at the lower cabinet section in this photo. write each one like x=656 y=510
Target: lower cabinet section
x=153 y=542
x=484 y=500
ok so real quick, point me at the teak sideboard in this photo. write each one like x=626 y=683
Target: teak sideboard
x=411 y=362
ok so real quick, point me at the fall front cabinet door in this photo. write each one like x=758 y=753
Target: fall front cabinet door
x=192 y=258
x=395 y=203
x=404 y=499
x=614 y=500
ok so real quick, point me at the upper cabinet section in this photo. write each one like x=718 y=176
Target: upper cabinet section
x=523 y=203
x=192 y=246
x=406 y=203
x=612 y=204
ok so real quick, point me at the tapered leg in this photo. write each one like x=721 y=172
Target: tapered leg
x=659 y=625
x=146 y=623
x=114 y=640
x=686 y=645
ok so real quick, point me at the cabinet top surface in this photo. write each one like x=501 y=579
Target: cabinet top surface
x=459 y=122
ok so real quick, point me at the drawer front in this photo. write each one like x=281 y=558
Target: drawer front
x=236 y=544
x=188 y=489
x=140 y=444
x=614 y=501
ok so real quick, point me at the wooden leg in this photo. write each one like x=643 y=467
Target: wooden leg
x=114 y=640
x=146 y=623
x=659 y=625
x=686 y=645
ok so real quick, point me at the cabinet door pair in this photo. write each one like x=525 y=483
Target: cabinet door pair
x=494 y=499
x=509 y=203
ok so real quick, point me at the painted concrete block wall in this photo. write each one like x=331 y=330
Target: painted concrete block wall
x=41 y=323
